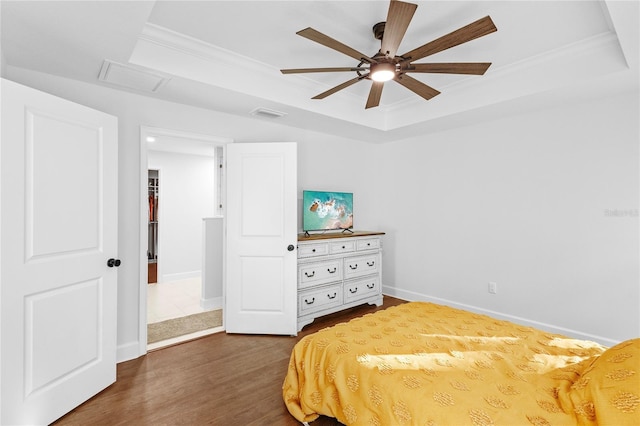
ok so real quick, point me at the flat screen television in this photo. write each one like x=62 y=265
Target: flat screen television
x=324 y=210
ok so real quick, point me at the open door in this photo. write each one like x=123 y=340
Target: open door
x=58 y=226
x=261 y=239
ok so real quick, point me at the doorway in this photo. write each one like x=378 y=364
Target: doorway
x=189 y=190
x=152 y=245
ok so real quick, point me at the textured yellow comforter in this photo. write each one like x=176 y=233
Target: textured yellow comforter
x=426 y=364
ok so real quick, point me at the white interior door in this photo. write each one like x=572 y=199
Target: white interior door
x=58 y=226
x=261 y=239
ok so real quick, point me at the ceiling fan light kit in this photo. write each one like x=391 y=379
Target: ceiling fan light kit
x=383 y=71
x=386 y=65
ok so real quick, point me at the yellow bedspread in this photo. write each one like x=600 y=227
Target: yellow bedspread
x=427 y=364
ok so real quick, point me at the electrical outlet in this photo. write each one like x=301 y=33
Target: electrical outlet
x=493 y=288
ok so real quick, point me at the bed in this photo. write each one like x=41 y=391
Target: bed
x=427 y=364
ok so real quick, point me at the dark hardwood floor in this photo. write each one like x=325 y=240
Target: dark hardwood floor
x=221 y=379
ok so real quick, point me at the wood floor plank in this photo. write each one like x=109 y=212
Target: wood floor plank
x=220 y=379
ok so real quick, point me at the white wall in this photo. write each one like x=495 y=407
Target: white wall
x=520 y=201
x=212 y=263
x=340 y=165
x=525 y=202
x=3 y=63
x=187 y=195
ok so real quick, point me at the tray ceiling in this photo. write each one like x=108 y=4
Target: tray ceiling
x=226 y=56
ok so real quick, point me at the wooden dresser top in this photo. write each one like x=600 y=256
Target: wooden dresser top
x=331 y=235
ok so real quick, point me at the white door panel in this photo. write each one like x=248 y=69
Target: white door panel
x=58 y=225
x=54 y=178
x=261 y=222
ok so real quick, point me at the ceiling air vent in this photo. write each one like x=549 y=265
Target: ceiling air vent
x=268 y=113
x=131 y=77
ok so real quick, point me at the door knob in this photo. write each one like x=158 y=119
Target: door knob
x=290 y=247
x=113 y=262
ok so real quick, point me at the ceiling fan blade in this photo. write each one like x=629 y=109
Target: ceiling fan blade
x=325 y=40
x=338 y=88
x=398 y=19
x=305 y=70
x=374 y=94
x=418 y=87
x=474 y=30
x=475 y=68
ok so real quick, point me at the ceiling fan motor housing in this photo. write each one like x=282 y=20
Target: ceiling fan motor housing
x=378 y=30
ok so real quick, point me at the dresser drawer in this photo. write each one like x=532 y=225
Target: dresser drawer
x=342 y=247
x=361 y=265
x=318 y=299
x=310 y=250
x=368 y=244
x=319 y=273
x=360 y=289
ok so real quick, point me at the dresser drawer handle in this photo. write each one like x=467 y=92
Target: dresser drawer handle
x=310 y=303
x=343 y=247
x=306 y=274
x=353 y=291
x=371 y=264
x=332 y=297
x=353 y=267
x=332 y=272
x=370 y=286
x=313 y=250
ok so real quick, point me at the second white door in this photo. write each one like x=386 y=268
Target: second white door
x=261 y=239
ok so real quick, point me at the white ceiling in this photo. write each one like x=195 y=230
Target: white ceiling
x=226 y=56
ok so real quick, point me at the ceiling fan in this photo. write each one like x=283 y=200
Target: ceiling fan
x=386 y=65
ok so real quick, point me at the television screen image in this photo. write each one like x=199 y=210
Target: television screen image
x=323 y=210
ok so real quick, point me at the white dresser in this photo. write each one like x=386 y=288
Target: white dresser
x=338 y=271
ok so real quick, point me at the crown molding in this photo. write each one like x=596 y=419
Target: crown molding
x=185 y=44
x=561 y=66
x=184 y=56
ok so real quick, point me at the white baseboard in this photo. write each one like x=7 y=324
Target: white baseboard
x=419 y=297
x=128 y=352
x=180 y=276
x=212 y=303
